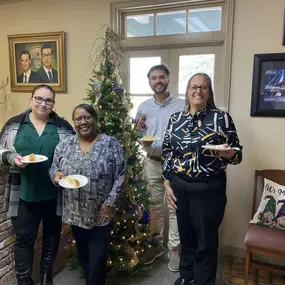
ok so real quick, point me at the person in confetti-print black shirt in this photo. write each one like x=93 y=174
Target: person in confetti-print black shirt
x=195 y=179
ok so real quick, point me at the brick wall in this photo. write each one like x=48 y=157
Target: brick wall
x=6 y=234
x=7 y=238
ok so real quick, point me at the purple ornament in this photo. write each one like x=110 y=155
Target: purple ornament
x=146 y=217
x=69 y=240
x=119 y=90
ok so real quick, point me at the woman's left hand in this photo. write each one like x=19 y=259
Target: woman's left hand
x=105 y=214
x=227 y=153
x=58 y=176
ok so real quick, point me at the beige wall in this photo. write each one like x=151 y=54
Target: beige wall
x=82 y=20
x=257 y=29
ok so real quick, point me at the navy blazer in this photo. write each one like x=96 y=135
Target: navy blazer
x=44 y=78
x=34 y=78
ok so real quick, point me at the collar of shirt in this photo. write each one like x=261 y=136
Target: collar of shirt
x=28 y=120
x=199 y=115
x=47 y=71
x=28 y=74
x=165 y=102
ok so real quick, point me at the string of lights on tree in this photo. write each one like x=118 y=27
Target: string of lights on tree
x=130 y=236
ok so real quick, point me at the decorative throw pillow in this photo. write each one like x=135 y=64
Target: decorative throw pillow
x=271 y=210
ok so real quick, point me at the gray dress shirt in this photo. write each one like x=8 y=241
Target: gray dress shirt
x=157 y=116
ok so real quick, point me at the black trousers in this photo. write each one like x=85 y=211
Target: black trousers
x=201 y=205
x=26 y=225
x=92 y=248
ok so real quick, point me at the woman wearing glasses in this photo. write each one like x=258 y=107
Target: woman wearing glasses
x=90 y=209
x=30 y=196
x=195 y=179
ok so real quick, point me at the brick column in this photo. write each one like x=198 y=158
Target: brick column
x=7 y=239
x=6 y=234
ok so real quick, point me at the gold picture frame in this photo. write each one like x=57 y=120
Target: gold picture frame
x=283 y=36
x=35 y=59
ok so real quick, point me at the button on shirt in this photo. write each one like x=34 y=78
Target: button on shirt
x=36 y=184
x=182 y=151
x=157 y=116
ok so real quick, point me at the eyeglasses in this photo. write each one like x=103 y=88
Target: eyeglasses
x=78 y=120
x=40 y=100
x=194 y=88
x=46 y=55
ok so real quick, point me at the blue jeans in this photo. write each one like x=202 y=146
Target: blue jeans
x=92 y=248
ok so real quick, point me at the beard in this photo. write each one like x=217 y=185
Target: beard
x=161 y=90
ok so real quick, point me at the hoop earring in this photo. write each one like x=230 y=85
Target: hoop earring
x=54 y=110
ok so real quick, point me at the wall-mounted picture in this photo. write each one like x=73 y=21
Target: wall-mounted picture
x=37 y=59
x=268 y=85
x=283 y=36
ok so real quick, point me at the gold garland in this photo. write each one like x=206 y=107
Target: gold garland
x=128 y=249
x=131 y=195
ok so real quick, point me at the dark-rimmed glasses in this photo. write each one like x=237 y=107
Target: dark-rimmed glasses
x=195 y=88
x=48 y=101
x=78 y=120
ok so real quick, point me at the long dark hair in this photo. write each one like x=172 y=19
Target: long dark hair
x=211 y=101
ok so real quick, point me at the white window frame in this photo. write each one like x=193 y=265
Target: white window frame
x=119 y=11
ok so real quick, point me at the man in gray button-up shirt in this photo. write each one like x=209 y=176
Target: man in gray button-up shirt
x=156 y=112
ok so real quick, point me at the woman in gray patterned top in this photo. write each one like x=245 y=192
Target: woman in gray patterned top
x=90 y=209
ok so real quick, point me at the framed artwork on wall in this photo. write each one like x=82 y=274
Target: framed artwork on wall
x=268 y=85
x=283 y=36
x=37 y=59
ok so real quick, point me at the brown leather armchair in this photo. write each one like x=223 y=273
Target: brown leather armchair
x=259 y=239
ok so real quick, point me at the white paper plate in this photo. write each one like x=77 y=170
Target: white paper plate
x=215 y=147
x=39 y=158
x=82 y=179
x=149 y=139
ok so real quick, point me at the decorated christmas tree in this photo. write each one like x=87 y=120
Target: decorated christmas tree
x=130 y=236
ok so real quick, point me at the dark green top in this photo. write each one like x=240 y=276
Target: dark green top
x=36 y=184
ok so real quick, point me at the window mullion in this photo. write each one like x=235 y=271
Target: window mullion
x=154 y=23
x=187 y=22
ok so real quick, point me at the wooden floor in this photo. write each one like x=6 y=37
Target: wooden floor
x=231 y=272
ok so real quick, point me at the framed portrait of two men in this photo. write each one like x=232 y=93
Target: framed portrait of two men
x=37 y=59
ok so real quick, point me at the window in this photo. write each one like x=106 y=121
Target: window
x=182 y=62
x=204 y=20
x=171 y=23
x=139 y=67
x=140 y=26
x=191 y=64
x=174 y=22
x=189 y=36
